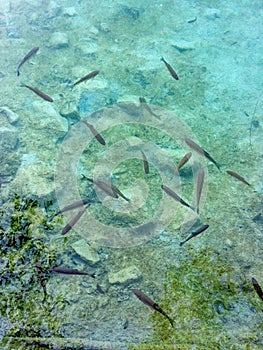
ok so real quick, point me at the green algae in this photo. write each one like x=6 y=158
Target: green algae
x=201 y=294
x=24 y=247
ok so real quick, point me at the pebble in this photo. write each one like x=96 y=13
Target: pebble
x=125 y=276
x=58 y=40
x=11 y=116
x=86 y=252
x=183 y=45
x=69 y=11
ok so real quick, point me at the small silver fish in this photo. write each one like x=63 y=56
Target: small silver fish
x=146 y=300
x=195 y=233
x=145 y=163
x=39 y=93
x=170 y=69
x=73 y=221
x=237 y=176
x=75 y=205
x=66 y=271
x=201 y=151
x=95 y=133
x=87 y=77
x=183 y=161
x=199 y=187
x=175 y=196
x=26 y=58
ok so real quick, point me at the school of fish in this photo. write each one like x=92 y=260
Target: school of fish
x=112 y=191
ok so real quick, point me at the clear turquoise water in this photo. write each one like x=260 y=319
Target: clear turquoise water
x=216 y=50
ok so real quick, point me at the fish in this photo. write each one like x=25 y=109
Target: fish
x=195 y=233
x=199 y=187
x=175 y=196
x=26 y=58
x=257 y=288
x=117 y=191
x=95 y=133
x=145 y=163
x=240 y=178
x=201 y=151
x=183 y=161
x=99 y=289
x=74 y=205
x=73 y=221
x=87 y=77
x=68 y=271
x=39 y=93
x=192 y=20
x=105 y=186
x=146 y=300
x=108 y=188
x=126 y=324
x=146 y=106
x=170 y=69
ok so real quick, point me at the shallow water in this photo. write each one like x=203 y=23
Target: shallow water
x=47 y=154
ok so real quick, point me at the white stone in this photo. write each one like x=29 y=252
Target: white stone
x=59 y=40
x=86 y=252
x=125 y=276
x=11 y=116
x=183 y=45
x=70 y=11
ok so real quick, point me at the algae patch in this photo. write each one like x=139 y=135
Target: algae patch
x=204 y=296
x=24 y=246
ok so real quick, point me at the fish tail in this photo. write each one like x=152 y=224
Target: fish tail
x=217 y=165
x=183 y=242
x=18 y=73
x=171 y=321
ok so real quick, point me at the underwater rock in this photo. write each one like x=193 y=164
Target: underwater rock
x=34 y=179
x=131 y=12
x=70 y=111
x=87 y=48
x=212 y=13
x=49 y=120
x=104 y=27
x=93 y=31
x=10 y=116
x=183 y=45
x=91 y=102
x=8 y=139
x=125 y=276
x=69 y=11
x=85 y=251
x=58 y=40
